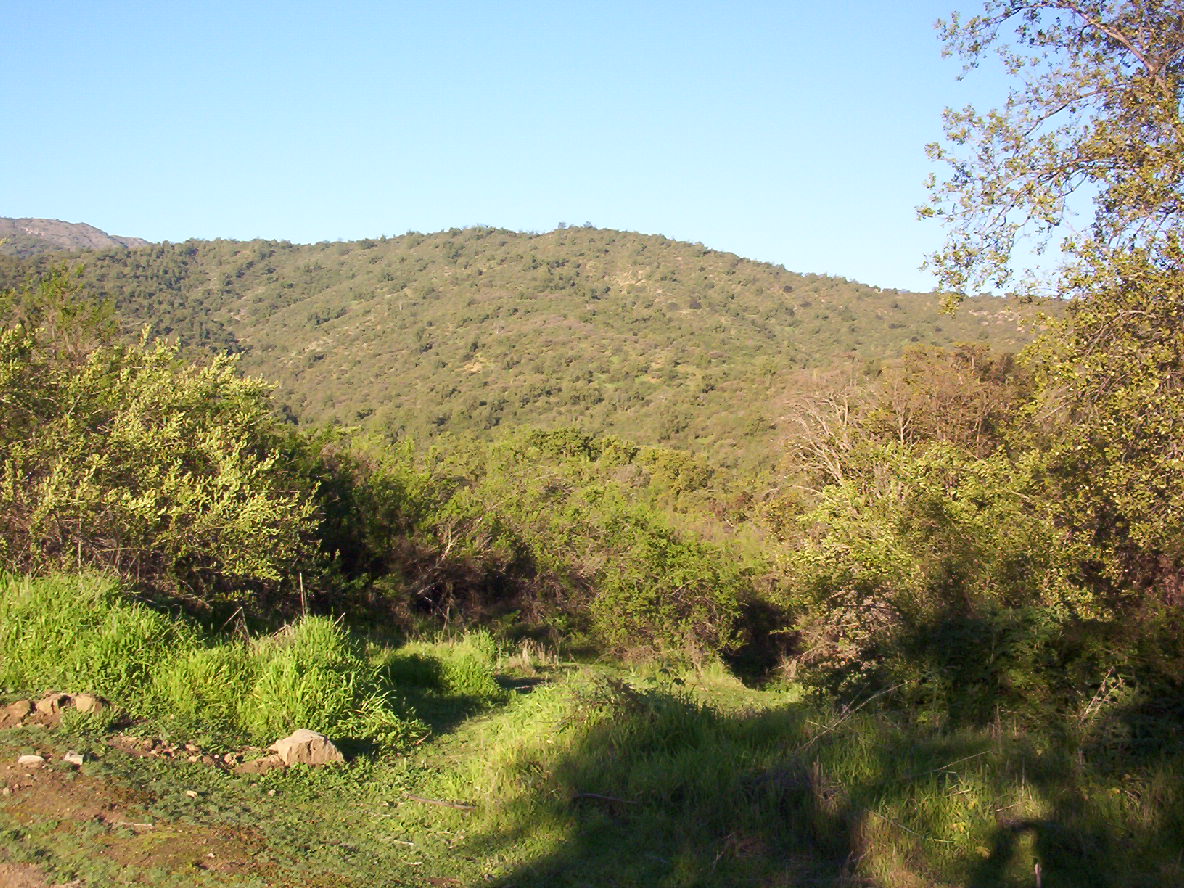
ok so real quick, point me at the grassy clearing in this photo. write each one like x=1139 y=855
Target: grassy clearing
x=587 y=775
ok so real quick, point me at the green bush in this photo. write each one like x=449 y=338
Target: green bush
x=938 y=571
x=660 y=590
x=131 y=459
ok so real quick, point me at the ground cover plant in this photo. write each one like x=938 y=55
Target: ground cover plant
x=610 y=776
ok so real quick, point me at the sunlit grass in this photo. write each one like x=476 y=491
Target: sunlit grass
x=604 y=774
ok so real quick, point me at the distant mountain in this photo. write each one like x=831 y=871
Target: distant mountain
x=31 y=237
x=466 y=330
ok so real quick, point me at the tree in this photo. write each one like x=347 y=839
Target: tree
x=1093 y=124
x=1095 y=116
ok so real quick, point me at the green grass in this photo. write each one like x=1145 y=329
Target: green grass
x=600 y=775
x=84 y=633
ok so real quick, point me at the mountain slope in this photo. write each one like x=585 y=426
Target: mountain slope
x=31 y=237
x=466 y=330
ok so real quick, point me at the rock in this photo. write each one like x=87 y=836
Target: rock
x=53 y=704
x=30 y=760
x=14 y=713
x=260 y=765
x=74 y=758
x=306 y=747
x=89 y=703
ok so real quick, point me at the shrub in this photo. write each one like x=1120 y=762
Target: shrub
x=937 y=570
x=660 y=590
x=131 y=459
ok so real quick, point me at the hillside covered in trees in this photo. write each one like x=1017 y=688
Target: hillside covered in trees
x=469 y=330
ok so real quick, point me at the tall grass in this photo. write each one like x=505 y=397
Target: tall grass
x=82 y=633
x=463 y=667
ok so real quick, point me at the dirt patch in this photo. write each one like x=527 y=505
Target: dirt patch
x=114 y=822
x=21 y=875
x=55 y=793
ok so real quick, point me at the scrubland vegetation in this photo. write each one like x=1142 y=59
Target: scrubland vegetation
x=933 y=637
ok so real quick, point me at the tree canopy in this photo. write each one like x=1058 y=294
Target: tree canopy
x=1093 y=117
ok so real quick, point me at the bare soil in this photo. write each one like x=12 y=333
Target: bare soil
x=113 y=822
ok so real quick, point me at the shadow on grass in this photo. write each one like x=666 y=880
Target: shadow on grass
x=654 y=790
x=421 y=681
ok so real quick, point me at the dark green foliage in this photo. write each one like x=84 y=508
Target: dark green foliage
x=557 y=529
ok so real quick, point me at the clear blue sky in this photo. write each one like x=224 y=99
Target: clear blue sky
x=788 y=132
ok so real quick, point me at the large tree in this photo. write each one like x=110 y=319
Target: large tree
x=1093 y=117
x=1086 y=152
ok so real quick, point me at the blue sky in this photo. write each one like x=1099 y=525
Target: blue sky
x=788 y=132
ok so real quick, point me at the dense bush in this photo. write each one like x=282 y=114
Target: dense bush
x=939 y=571
x=132 y=459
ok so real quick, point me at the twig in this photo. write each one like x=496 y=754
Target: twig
x=900 y=825
x=846 y=715
x=460 y=806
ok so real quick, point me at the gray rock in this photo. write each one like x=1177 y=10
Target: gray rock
x=30 y=760
x=306 y=747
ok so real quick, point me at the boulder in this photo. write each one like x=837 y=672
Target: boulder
x=15 y=713
x=30 y=760
x=306 y=747
x=53 y=704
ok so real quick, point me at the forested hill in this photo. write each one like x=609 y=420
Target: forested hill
x=465 y=330
x=31 y=237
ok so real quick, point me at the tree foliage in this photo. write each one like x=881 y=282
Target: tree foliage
x=1094 y=116
x=1041 y=552
x=477 y=330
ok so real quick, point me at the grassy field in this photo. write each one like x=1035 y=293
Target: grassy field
x=511 y=767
